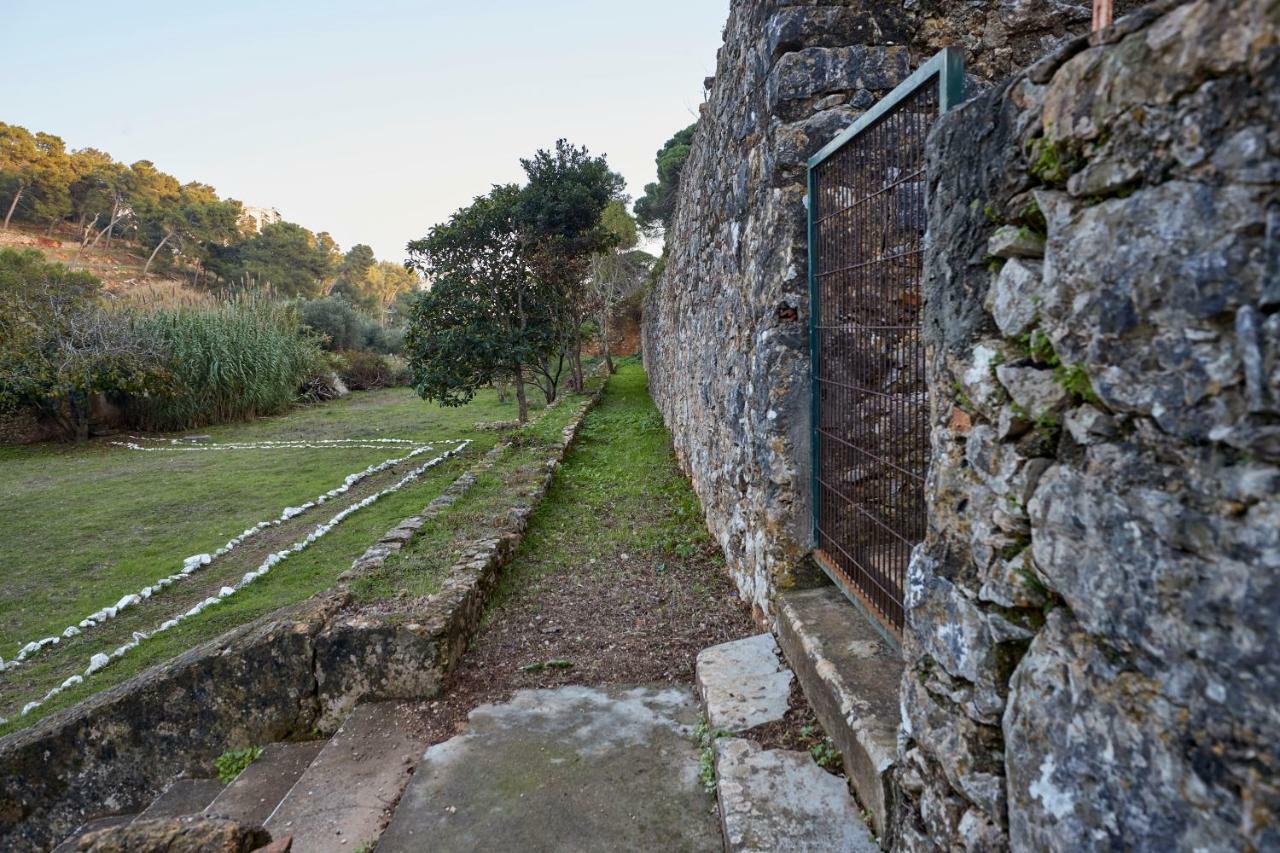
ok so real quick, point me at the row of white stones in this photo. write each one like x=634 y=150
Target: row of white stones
x=196 y=561
x=167 y=444
x=102 y=659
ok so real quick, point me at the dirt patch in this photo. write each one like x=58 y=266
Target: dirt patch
x=633 y=621
x=799 y=730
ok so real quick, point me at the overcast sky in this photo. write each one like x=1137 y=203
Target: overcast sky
x=370 y=120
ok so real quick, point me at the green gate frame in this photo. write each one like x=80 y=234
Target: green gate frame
x=946 y=68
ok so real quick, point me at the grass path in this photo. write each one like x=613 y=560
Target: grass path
x=617 y=581
x=87 y=525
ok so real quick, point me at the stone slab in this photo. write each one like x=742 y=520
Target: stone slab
x=779 y=801
x=569 y=769
x=264 y=784
x=183 y=797
x=341 y=799
x=850 y=675
x=69 y=843
x=743 y=683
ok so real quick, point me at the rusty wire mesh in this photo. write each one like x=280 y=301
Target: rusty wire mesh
x=872 y=425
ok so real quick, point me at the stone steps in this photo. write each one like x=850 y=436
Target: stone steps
x=331 y=795
x=256 y=793
x=769 y=799
x=183 y=797
x=341 y=800
x=850 y=674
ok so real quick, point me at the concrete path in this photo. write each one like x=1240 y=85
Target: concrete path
x=566 y=769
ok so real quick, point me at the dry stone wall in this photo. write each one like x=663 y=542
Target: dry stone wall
x=725 y=329
x=1092 y=619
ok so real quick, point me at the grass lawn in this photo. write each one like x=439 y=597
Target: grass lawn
x=86 y=525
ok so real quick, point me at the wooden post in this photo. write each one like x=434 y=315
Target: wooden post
x=1103 y=12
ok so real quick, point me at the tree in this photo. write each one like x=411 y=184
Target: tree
x=355 y=265
x=385 y=281
x=615 y=272
x=19 y=161
x=59 y=345
x=485 y=317
x=657 y=207
x=51 y=189
x=284 y=256
x=560 y=222
x=185 y=219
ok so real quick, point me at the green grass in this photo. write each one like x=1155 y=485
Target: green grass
x=619 y=492
x=418 y=570
x=87 y=525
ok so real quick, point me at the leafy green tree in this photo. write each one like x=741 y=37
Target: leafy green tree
x=385 y=281
x=185 y=219
x=657 y=207
x=19 y=165
x=560 y=212
x=51 y=190
x=284 y=256
x=355 y=265
x=485 y=318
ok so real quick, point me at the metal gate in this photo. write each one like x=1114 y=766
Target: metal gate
x=870 y=404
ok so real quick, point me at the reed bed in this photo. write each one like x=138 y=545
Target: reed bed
x=241 y=358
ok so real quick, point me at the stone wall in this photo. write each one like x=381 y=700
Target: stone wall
x=1094 y=617
x=725 y=329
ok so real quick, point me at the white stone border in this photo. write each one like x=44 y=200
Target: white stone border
x=196 y=561
x=100 y=660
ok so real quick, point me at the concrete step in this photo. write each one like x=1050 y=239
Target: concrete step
x=183 y=797
x=743 y=683
x=340 y=801
x=779 y=801
x=850 y=674
x=256 y=792
x=567 y=769
x=69 y=844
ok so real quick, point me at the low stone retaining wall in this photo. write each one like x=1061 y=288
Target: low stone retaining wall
x=289 y=675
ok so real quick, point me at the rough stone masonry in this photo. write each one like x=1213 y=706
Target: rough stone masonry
x=1093 y=616
x=725 y=329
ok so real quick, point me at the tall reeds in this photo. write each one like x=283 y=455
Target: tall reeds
x=241 y=358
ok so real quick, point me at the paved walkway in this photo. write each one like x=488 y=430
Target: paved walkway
x=566 y=769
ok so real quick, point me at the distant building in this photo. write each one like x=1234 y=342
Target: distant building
x=257 y=218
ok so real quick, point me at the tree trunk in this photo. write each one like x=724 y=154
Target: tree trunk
x=78 y=403
x=12 y=207
x=575 y=361
x=116 y=215
x=604 y=341
x=155 y=252
x=522 y=403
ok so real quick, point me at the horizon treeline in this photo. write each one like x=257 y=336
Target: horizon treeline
x=180 y=228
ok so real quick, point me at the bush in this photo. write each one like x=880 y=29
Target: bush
x=365 y=370
x=243 y=358
x=59 y=346
x=336 y=321
x=344 y=328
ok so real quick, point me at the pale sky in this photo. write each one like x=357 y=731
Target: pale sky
x=370 y=120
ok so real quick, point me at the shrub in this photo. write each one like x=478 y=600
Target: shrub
x=334 y=319
x=59 y=345
x=243 y=358
x=365 y=370
x=344 y=328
